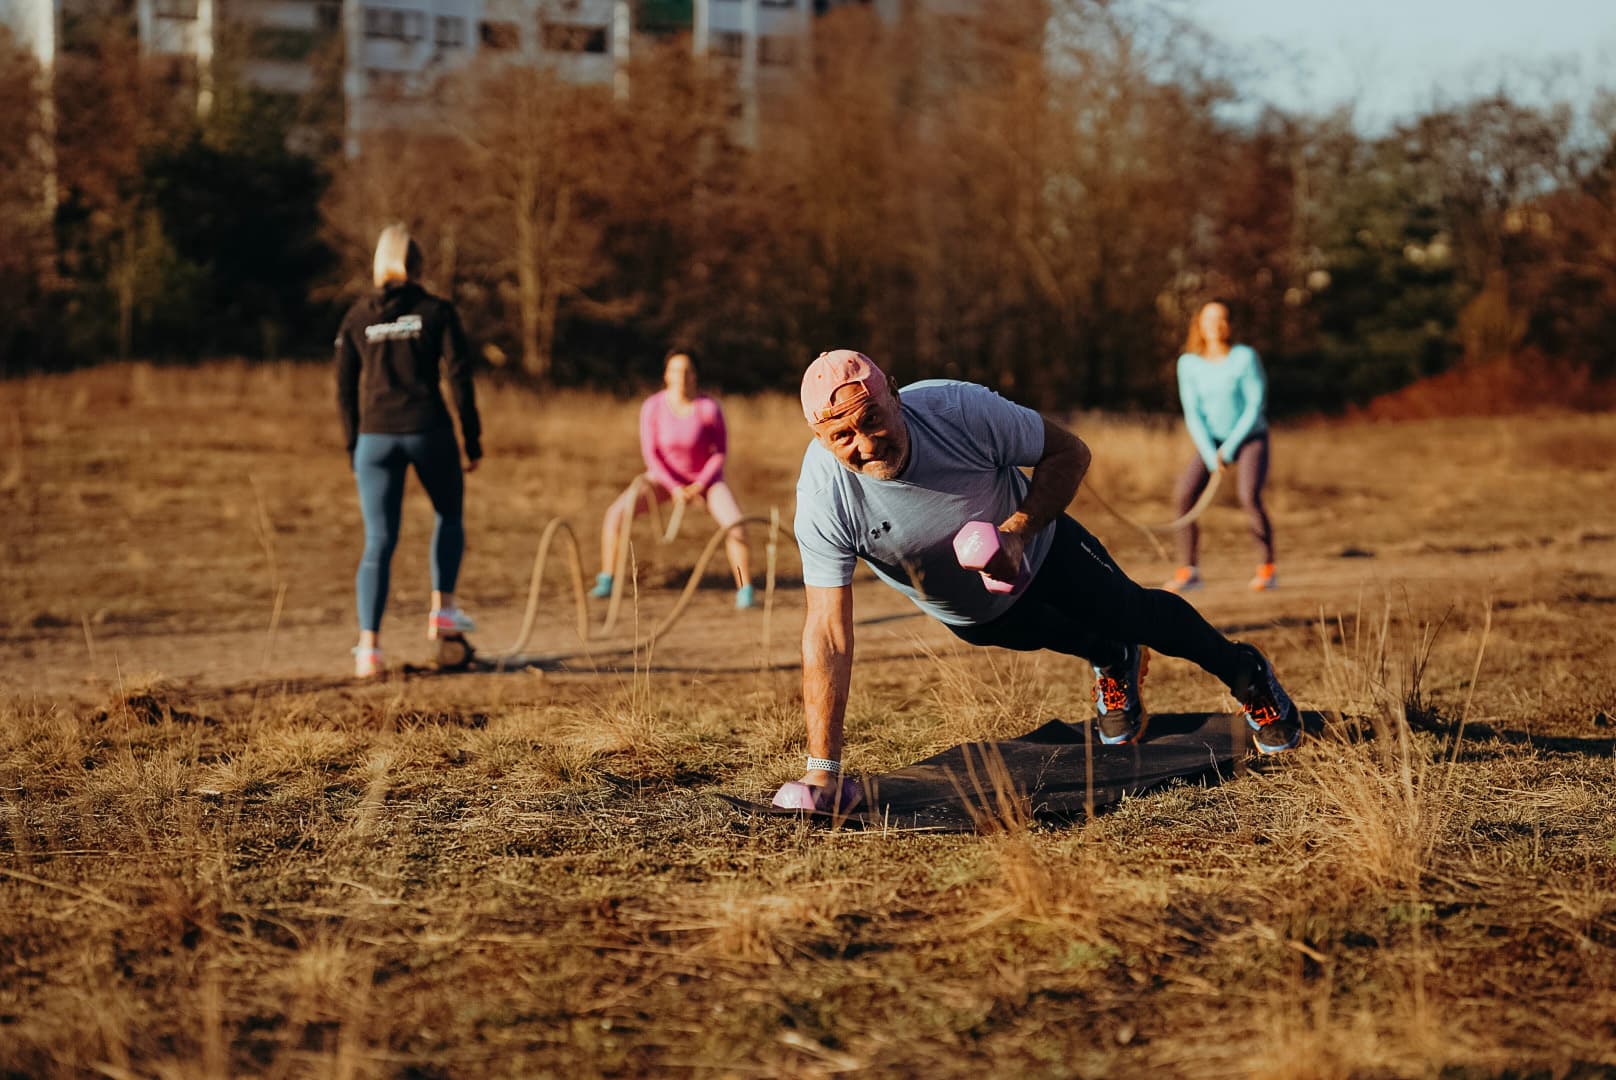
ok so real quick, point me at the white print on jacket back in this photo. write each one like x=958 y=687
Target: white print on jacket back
x=403 y=328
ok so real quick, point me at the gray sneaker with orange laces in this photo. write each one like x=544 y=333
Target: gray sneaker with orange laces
x=1275 y=722
x=1119 y=712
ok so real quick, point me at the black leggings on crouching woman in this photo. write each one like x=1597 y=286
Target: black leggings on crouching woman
x=1082 y=604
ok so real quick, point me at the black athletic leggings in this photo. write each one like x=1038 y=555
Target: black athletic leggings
x=1082 y=604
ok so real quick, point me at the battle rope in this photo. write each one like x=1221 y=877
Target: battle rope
x=1149 y=531
x=558 y=527
x=587 y=633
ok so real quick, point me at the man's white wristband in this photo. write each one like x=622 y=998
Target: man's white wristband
x=819 y=764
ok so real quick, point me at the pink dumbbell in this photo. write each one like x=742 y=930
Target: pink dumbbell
x=975 y=546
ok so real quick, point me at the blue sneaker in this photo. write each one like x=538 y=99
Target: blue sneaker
x=603 y=587
x=448 y=621
x=368 y=663
x=1119 y=712
x=1272 y=716
x=745 y=597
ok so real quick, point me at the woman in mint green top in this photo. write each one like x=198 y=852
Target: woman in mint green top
x=1225 y=396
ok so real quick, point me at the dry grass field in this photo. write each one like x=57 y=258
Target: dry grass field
x=219 y=856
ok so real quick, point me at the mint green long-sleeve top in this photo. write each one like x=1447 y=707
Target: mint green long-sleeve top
x=1225 y=401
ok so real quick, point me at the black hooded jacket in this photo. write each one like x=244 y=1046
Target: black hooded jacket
x=390 y=350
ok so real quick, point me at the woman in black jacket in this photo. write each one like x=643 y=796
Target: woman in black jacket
x=390 y=351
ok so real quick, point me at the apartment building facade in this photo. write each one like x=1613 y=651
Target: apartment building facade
x=386 y=58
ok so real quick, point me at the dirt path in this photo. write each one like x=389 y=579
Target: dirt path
x=713 y=639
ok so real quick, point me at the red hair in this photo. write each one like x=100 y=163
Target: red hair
x=1195 y=341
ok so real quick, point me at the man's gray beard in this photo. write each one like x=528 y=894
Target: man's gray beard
x=883 y=470
x=891 y=471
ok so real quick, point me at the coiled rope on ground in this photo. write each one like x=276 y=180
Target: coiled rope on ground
x=587 y=633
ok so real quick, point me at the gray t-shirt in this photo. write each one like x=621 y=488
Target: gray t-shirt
x=965 y=445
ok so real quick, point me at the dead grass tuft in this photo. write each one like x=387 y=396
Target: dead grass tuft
x=739 y=924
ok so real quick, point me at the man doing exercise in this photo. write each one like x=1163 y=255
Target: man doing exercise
x=891 y=478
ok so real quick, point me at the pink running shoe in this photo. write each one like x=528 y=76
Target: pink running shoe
x=448 y=621
x=367 y=663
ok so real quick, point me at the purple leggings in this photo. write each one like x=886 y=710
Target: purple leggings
x=1251 y=463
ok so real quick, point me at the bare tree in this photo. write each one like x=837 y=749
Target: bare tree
x=533 y=153
x=26 y=197
x=414 y=177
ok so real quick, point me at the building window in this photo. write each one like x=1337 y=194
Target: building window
x=282 y=43
x=662 y=16
x=328 y=16
x=729 y=43
x=383 y=23
x=777 y=3
x=175 y=9
x=394 y=25
x=449 y=31
x=561 y=37
x=499 y=35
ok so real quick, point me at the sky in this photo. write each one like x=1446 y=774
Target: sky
x=1394 y=58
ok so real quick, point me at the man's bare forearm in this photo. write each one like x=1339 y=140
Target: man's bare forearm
x=1054 y=482
x=827 y=670
x=826 y=676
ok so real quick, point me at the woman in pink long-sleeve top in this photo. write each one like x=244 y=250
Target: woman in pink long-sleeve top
x=683 y=442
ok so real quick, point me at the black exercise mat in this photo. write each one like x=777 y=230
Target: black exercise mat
x=1054 y=773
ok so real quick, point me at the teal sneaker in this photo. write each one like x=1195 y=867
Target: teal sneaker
x=603 y=586
x=745 y=597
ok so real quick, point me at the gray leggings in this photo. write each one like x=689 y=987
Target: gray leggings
x=1251 y=470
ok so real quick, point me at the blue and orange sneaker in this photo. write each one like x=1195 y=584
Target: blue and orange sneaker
x=1119 y=711
x=1272 y=716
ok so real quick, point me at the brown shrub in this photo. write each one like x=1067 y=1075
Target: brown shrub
x=1503 y=387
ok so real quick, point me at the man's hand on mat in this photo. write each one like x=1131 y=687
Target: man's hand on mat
x=831 y=794
x=824 y=787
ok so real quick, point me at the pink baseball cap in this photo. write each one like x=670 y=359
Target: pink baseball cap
x=829 y=373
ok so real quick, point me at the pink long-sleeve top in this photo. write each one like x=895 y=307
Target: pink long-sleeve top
x=680 y=450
